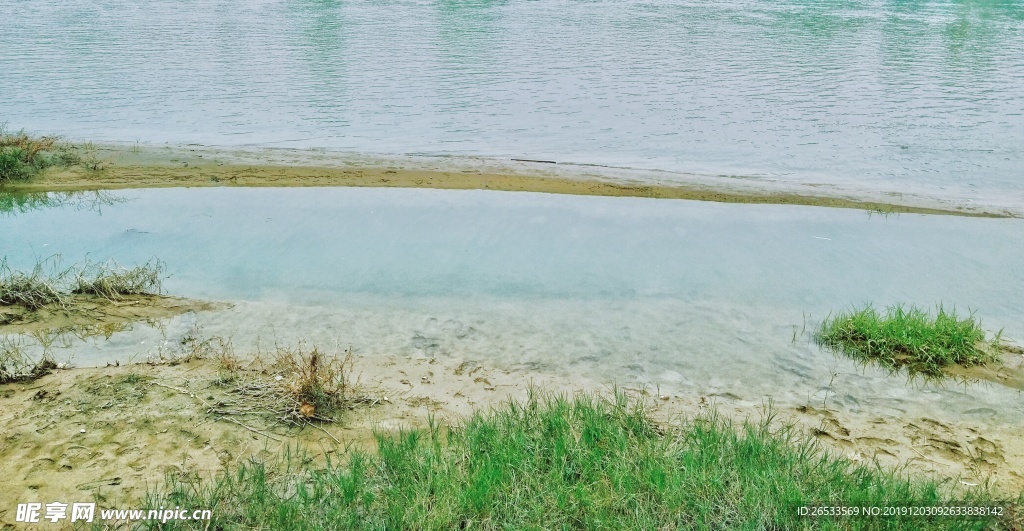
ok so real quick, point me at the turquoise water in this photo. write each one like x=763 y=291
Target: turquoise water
x=685 y=296
x=923 y=96
x=313 y=244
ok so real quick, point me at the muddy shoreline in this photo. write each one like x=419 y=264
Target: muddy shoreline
x=126 y=167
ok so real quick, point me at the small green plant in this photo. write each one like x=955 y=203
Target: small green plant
x=92 y=162
x=909 y=337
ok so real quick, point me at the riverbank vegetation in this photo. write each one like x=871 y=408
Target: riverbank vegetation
x=553 y=462
x=23 y=155
x=909 y=337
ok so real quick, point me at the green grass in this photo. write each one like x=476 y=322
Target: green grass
x=557 y=463
x=23 y=155
x=909 y=337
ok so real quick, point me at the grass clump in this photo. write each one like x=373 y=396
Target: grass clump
x=315 y=384
x=113 y=282
x=23 y=155
x=290 y=387
x=559 y=463
x=37 y=289
x=909 y=337
x=33 y=290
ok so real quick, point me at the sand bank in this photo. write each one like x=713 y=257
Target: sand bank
x=114 y=432
x=122 y=167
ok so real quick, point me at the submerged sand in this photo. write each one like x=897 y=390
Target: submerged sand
x=123 y=167
x=113 y=433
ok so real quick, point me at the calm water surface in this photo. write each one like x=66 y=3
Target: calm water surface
x=687 y=296
x=923 y=96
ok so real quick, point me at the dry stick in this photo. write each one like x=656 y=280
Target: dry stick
x=325 y=431
x=254 y=430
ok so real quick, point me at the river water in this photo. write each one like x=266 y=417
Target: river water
x=924 y=96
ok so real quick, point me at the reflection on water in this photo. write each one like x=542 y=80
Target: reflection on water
x=12 y=203
x=908 y=96
x=61 y=343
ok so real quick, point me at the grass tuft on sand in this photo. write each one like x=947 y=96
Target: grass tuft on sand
x=113 y=282
x=564 y=463
x=38 y=288
x=33 y=290
x=909 y=337
x=318 y=383
x=23 y=155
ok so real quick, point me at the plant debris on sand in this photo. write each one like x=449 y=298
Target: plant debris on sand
x=580 y=463
x=909 y=337
x=292 y=386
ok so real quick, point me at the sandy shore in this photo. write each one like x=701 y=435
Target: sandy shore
x=124 y=167
x=114 y=432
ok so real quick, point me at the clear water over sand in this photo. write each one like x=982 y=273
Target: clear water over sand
x=923 y=97
x=688 y=296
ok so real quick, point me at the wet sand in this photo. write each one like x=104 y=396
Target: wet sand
x=124 y=167
x=115 y=432
x=99 y=314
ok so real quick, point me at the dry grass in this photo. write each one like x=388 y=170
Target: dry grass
x=290 y=387
x=317 y=384
x=113 y=282
x=38 y=288
x=33 y=290
x=23 y=155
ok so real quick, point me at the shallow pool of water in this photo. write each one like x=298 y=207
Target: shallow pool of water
x=688 y=296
